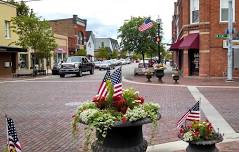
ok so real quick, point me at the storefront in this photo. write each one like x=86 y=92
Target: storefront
x=9 y=60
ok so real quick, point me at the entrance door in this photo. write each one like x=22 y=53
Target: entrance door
x=193 y=62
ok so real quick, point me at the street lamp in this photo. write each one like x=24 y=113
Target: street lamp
x=158 y=38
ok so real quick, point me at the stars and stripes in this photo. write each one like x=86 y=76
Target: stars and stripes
x=13 y=142
x=191 y=115
x=116 y=79
x=103 y=89
x=146 y=25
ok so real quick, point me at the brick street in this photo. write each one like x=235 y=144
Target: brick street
x=42 y=111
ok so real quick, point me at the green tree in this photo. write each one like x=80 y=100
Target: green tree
x=81 y=52
x=22 y=8
x=114 y=54
x=103 y=53
x=34 y=33
x=135 y=41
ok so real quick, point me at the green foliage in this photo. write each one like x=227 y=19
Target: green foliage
x=22 y=8
x=133 y=40
x=81 y=52
x=123 y=54
x=102 y=53
x=114 y=54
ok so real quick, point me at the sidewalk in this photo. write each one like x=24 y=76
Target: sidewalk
x=229 y=144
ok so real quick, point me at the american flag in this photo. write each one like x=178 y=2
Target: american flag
x=146 y=25
x=117 y=82
x=13 y=142
x=191 y=114
x=103 y=89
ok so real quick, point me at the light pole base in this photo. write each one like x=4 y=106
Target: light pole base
x=229 y=80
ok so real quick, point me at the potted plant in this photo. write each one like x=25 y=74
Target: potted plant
x=201 y=137
x=117 y=120
x=159 y=71
x=149 y=73
x=175 y=75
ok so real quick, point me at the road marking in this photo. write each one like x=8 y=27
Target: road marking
x=211 y=113
x=73 y=104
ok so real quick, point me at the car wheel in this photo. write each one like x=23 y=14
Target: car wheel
x=92 y=71
x=62 y=75
x=80 y=73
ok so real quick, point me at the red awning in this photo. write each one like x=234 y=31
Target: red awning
x=190 y=42
x=175 y=45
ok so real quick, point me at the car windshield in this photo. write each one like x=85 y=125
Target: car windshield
x=73 y=59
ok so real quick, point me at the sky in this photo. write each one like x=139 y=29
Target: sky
x=104 y=17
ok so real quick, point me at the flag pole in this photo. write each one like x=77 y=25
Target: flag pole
x=7 y=132
x=199 y=108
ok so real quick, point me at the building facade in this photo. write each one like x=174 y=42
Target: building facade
x=90 y=45
x=198 y=29
x=110 y=43
x=74 y=28
x=61 y=51
x=8 y=51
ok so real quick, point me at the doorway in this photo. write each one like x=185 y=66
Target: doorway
x=193 y=62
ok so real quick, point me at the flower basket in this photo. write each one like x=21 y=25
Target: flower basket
x=159 y=71
x=117 y=120
x=201 y=137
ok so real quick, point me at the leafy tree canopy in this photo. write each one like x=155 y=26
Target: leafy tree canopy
x=81 y=52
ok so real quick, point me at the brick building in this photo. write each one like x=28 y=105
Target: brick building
x=74 y=28
x=196 y=26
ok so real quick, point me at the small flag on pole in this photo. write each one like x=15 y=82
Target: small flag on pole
x=116 y=79
x=191 y=115
x=13 y=142
x=103 y=89
x=146 y=25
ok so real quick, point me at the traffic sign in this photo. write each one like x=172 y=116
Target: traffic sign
x=221 y=36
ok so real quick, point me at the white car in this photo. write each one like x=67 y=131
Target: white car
x=140 y=70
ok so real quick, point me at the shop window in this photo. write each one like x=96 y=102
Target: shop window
x=194 y=11
x=224 y=10
x=7 y=30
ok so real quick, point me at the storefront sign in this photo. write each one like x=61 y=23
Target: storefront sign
x=235 y=44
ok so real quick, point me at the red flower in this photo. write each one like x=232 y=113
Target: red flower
x=124 y=119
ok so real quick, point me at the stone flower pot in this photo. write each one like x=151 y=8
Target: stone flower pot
x=204 y=146
x=123 y=137
x=159 y=73
x=148 y=76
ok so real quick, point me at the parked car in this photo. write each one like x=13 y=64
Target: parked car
x=107 y=64
x=56 y=68
x=76 y=65
x=141 y=68
x=97 y=64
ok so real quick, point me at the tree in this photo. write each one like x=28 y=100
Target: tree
x=34 y=33
x=81 y=52
x=114 y=54
x=22 y=8
x=103 y=53
x=135 y=41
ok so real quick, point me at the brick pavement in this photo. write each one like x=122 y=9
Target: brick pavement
x=43 y=120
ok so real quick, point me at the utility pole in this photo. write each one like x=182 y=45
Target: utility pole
x=158 y=39
x=229 y=52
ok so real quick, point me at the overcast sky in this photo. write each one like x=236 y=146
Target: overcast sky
x=104 y=17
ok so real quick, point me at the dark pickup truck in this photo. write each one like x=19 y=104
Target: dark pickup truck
x=76 y=65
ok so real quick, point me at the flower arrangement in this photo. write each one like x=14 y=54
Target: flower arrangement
x=159 y=66
x=199 y=131
x=102 y=113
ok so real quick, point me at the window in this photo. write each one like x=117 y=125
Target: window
x=194 y=11
x=102 y=44
x=7 y=29
x=224 y=10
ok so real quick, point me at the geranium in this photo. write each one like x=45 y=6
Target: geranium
x=198 y=131
x=103 y=113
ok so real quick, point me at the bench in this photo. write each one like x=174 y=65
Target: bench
x=23 y=72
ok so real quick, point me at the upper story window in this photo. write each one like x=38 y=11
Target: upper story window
x=194 y=11
x=7 y=30
x=224 y=10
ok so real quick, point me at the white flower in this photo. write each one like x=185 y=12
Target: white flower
x=136 y=113
x=188 y=136
x=86 y=115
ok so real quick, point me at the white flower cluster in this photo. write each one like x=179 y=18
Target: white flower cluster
x=136 y=113
x=188 y=136
x=87 y=115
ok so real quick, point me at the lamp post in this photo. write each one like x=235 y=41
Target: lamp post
x=229 y=52
x=158 y=39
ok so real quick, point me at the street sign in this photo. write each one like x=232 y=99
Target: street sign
x=221 y=36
